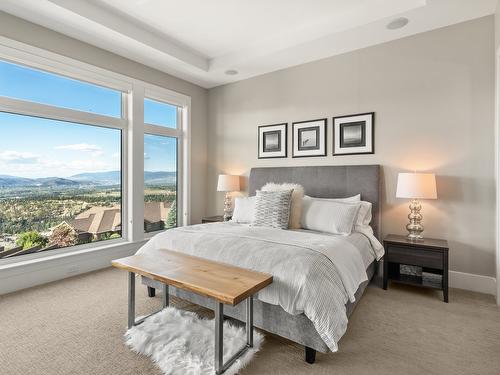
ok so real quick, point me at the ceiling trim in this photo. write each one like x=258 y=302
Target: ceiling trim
x=113 y=21
x=108 y=28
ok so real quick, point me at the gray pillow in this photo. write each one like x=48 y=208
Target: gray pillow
x=272 y=209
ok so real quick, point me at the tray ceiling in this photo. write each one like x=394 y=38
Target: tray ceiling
x=201 y=40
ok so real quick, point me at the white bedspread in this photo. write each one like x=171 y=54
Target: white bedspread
x=313 y=273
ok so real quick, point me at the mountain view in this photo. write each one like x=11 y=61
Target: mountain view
x=38 y=214
x=60 y=181
x=85 y=179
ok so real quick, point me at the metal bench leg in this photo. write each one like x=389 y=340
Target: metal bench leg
x=131 y=302
x=250 y=321
x=219 y=365
x=219 y=321
x=131 y=299
x=165 y=296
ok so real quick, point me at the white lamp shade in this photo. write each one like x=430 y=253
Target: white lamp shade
x=228 y=182
x=416 y=186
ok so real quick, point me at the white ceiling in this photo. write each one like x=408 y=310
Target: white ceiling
x=198 y=40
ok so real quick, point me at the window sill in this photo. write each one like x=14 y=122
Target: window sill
x=27 y=273
x=9 y=267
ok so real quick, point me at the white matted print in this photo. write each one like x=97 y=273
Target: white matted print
x=309 y=138
x=353 y=134
x=273 y=141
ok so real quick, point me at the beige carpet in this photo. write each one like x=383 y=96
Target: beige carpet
x=75 y=326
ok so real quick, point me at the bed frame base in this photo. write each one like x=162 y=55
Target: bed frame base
x=151 y=292
x=272 y=318
x=310 y=355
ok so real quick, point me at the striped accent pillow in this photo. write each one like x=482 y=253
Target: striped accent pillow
x=272 y=209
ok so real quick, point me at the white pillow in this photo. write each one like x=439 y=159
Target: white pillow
x=365 y=209
x=364 y=213
x=297 y=196
x=354 y=198
x=329 y=216
x=244 y=210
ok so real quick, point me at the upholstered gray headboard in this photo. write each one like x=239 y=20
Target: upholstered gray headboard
x=327 y=182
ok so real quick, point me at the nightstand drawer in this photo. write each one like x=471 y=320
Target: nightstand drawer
x=417 y=257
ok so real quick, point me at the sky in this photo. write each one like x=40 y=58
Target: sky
x=36 y=147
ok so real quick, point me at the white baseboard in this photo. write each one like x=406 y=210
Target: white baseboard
x=472 y=282
x=27 y=274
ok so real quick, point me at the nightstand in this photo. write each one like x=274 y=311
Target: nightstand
x=212 y=219
x=430 y=256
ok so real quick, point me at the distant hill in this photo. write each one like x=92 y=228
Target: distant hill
x=151 y=178
x=113 y=177
x=55 y=181
x=12 y=181
x=85 y=179
x=103 y=178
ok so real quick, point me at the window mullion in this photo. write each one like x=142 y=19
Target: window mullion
x=27 y=108
x=135 y=160
x=160 y=130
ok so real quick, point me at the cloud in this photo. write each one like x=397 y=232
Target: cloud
x=94 y=150
x=15 y=157
x=41 y=167
x=116 y=155
x=146 y=156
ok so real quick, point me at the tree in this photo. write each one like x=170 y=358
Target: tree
x=110 y=236
x=31 y=239
x=63 y=235
x=172 y=216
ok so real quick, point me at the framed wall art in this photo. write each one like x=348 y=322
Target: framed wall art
x=309 y=138
x=273 y=141
x=354 y=134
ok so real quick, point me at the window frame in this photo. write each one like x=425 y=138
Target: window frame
x=178 y=134
x=132 y=128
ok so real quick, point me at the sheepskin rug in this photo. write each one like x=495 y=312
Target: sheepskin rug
x=180 y=342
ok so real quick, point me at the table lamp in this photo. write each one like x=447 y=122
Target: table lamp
x=416 y=186
x=228 y=183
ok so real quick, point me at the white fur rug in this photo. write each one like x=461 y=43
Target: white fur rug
x=180 y=342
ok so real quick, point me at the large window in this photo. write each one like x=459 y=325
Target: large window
x=160 y=182
x=160 y=165
x=72 y=141
x=60 y=181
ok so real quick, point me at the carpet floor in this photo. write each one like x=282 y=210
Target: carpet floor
x=76 y=326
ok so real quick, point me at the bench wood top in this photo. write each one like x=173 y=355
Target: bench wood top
x=223 y=282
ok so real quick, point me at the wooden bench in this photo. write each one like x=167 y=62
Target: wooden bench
x=224 y=283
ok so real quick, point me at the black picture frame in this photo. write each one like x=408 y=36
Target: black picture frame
x=366 y=144
x=316 y=146
x=267 y=135
x=282 y=130
x=320 y=144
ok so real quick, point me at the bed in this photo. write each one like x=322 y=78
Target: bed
x=304 y=327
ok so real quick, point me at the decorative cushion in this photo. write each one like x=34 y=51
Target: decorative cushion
x=244 y=210
x=272 y=209
x=365 y=208
x=297 y=196
x=354 y=198
x=329 y=216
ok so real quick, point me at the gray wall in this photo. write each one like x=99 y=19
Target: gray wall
x=433 y=95
x=29 y=33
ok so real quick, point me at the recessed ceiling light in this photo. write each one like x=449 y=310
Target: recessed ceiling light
x=231 y=72
x=398 y=23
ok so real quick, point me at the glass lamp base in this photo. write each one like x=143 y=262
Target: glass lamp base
x=415 y=227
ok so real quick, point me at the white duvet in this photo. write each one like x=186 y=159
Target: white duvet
x=315 y=274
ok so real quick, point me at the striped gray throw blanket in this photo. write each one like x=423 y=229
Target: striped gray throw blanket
x=314 y=274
